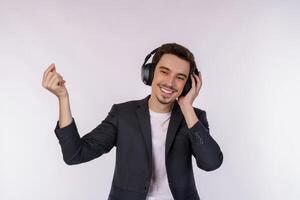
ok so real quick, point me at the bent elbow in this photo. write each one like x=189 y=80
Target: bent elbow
x=70 y=161
x=213 y=164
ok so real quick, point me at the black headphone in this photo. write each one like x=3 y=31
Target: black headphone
x=148 y=73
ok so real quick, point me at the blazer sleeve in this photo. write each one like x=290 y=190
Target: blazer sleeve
x=100 y=140
x=205 y=149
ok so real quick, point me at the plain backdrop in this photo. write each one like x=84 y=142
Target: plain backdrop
x=247 y=51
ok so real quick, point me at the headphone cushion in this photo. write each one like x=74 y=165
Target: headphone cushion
x=147 y=73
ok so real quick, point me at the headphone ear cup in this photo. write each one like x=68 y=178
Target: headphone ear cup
x=147 y=73
x=187 y=87
x=188 y=84
x=151 y=74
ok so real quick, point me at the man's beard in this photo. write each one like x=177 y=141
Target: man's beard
x=162 y=100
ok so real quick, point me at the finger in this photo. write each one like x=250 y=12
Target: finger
x=58 y=83
x=193 y=81
x=55 y=80
x=60 y=79
x=199 y=79
x=52 y=82
x=49 y=77
x=200 y=76
x=63 y=82
x=49 y=69
x=199 y=82
x=198 y=87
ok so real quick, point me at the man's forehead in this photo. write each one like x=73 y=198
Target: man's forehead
x=174 y=63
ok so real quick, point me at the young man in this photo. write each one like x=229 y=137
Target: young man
x=155 y=138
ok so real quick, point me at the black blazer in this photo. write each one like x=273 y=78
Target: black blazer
x=127 y=127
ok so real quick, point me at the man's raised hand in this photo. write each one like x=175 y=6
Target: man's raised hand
x=54 y=82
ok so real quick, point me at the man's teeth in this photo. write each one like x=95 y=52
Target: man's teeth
x=166 y=91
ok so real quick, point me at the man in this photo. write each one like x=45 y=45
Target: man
x=155 y=138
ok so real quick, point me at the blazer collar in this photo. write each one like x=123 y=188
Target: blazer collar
x=144 y=120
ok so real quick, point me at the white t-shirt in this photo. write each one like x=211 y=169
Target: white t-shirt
x=159 y=187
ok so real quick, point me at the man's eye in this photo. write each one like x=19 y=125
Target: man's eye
x=163 y=72
x=181 y=78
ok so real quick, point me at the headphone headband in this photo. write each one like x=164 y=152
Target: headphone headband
x=149 y=55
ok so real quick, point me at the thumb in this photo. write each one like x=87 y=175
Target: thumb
x=53 y=68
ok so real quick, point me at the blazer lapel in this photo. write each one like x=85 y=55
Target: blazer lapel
x=144 y=121
x=175 y=120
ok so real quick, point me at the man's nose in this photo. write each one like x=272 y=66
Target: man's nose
x=170 y=81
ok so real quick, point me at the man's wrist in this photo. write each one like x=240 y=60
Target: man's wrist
x=63 y=98
x=189 y=115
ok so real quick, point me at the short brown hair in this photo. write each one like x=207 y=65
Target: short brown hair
x=177 y=50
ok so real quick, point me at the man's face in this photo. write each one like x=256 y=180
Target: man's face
x=170 y=75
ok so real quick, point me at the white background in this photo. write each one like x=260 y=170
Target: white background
x=248 y=52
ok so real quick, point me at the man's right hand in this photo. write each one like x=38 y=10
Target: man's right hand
x=54 y=82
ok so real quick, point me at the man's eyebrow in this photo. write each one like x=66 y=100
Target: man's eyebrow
x=163 y=67
x=180 y=74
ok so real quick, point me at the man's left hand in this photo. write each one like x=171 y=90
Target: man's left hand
x=189 y=98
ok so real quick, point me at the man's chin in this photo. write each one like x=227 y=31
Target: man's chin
x=165 y=100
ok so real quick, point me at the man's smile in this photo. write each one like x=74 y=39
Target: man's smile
x=166 y=91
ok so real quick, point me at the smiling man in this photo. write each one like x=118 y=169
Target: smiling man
x=155 y=137
x=171 y=74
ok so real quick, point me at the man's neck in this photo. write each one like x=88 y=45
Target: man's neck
x=156 y=106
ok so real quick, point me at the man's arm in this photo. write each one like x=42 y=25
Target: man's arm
x=75 y=149
x=65 y=116
x=92 y=145
x=204 y=148
x=55 y=83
